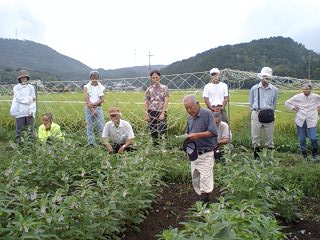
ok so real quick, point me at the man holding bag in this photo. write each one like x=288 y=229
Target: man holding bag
x=262 y=102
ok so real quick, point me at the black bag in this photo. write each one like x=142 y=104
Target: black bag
x=266 y=116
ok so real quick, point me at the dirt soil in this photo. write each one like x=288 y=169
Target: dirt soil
x=172 y=205
x=308 y=226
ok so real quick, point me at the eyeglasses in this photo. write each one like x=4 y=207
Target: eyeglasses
x=213 y=74
x=113 y=115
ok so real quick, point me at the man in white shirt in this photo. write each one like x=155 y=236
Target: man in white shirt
x=117 y=134
x=93 y=98
x=306 y=106
x=216 y=94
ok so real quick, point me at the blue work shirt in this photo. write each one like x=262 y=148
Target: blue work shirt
x=203 y=122
x=268 y=97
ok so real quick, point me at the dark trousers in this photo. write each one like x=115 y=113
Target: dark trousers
x=157 y=127
x=117 y=146
x=224 y=115
x=21 y=124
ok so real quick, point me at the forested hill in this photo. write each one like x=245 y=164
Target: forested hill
x=46 y=64
x=285 y=56
x=24 y=54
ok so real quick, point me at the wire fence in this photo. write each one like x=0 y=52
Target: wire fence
x=65 y=100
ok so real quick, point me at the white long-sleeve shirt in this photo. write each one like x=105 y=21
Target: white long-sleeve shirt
x=308 y=108
x=23 y=103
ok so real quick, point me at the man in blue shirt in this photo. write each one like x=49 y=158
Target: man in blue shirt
x=262 y=96
x=201 y=128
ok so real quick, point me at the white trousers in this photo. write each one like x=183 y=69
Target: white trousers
x=202 y=173
x=256 y=128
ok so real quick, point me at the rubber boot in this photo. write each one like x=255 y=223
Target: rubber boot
x=304 y=154
x=315 y=154
x=256 y=151
x=204 y=198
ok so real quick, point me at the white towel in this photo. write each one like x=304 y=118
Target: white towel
x=101 y=88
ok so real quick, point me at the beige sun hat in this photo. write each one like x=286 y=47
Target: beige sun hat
x=23 y=73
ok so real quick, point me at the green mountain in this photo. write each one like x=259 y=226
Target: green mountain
x=23 y=54
x=285 y=56
x=46 y=64
x=129 y=72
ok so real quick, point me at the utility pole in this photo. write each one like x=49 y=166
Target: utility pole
x=149 y=56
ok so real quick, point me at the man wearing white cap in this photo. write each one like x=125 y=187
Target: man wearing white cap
x=215 y=94
x=306 y=106
x=262 y=102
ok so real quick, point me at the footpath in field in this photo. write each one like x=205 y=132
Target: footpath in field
x=172 y=204
x=169 y=209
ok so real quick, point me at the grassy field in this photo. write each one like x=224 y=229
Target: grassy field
x=67 y=109
x=67 y=191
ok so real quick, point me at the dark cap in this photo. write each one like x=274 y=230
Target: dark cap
x=190 y=147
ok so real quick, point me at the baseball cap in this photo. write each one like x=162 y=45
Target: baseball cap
x=214 y=70
x=190 y=147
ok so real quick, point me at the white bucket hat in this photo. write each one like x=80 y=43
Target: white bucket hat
x=265 y=72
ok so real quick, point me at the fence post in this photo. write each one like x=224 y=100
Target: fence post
x=37 y=108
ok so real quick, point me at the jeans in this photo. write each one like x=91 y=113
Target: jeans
x=91 y=120
x=303 y=132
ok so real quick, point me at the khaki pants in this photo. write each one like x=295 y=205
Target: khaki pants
x=256 y=128
x=202 y=173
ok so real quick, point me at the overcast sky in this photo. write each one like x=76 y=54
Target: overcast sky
x=112 y=34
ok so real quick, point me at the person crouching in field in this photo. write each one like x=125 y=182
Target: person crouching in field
x=118 y=132
x=201 y=139
x=224 y=136
x=306 y=105
x=23 y=106
x=94 y=97
x=49 y=132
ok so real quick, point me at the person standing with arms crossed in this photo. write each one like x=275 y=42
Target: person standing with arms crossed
x=94 y=97
x=216 y=94
x=23 y=106
x=155 y=107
